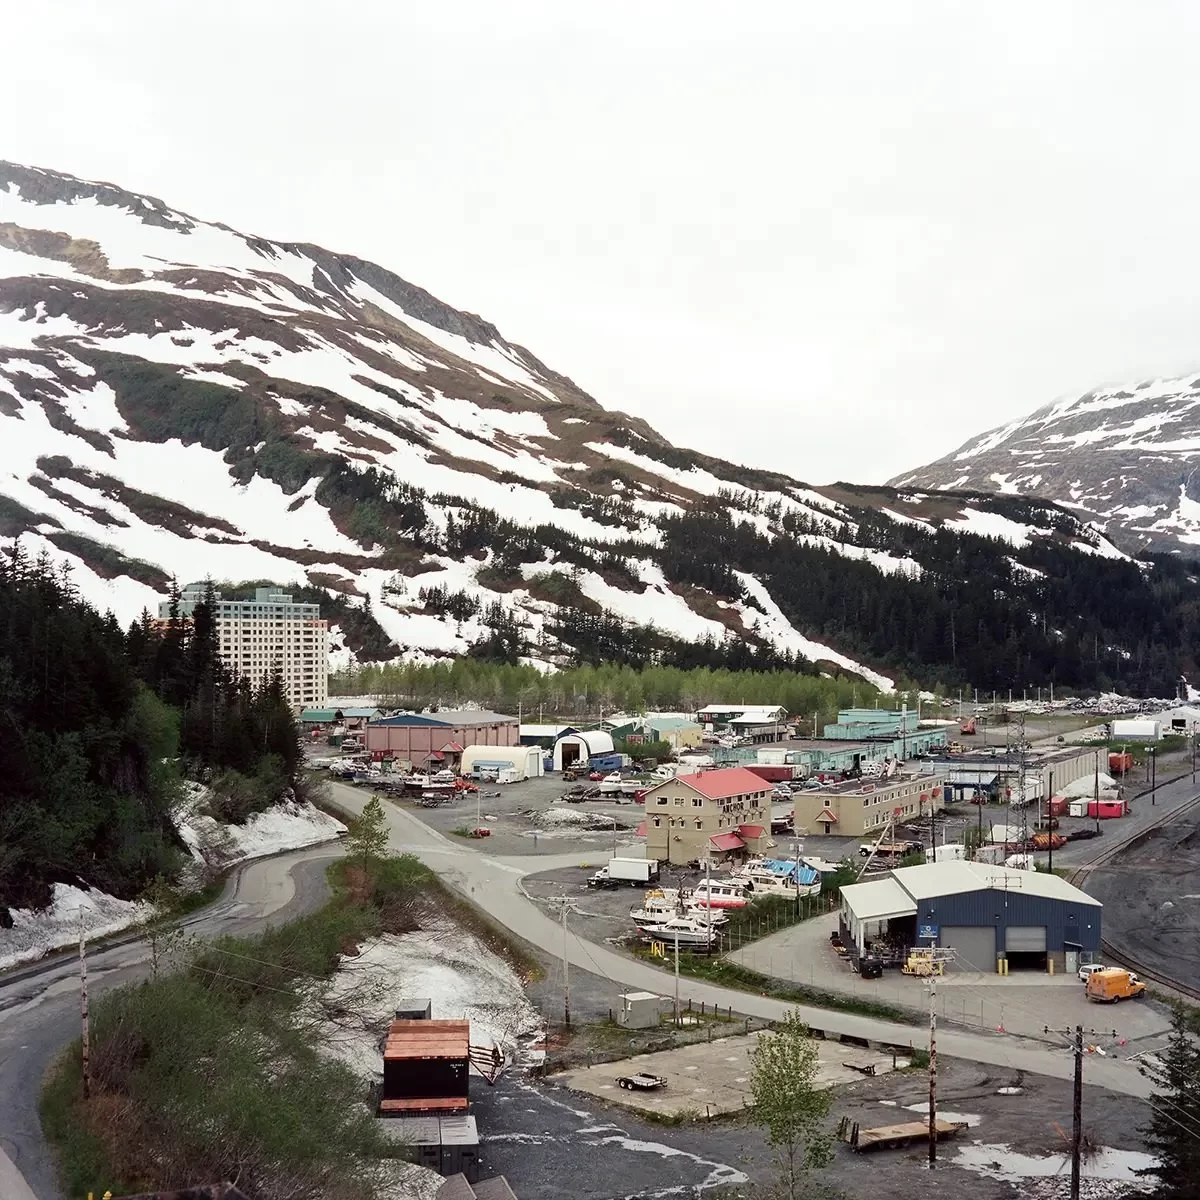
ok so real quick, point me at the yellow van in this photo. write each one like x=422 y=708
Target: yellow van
x=1113 y=984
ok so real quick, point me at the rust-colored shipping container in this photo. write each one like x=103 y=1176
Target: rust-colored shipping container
x=1058 y=806
x=1120 y=763
x=1106 y=810
x=425 y=1067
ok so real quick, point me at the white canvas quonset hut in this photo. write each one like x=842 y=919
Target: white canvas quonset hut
x=574 y=749
x=525 y=760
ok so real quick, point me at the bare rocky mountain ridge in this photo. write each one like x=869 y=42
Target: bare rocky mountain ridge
x=180 y=400
x=1123 y=457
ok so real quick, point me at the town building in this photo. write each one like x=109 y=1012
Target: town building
x=324 y=719
x=422 y=739
x=756 y=722
x=521 y=762
x=716 y=815
x=256 y=638
x=986 y=914
x=578 y=749
x=861 y=806
x=538 y=734
x=679 y=732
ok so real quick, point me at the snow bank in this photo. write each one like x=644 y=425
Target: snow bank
x=287 y=826
x=35 y=934
x=1105 y=1173
x=447 y=965
x=1085 y=786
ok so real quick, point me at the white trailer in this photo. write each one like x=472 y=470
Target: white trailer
x=638 y=871
x=1140 y=729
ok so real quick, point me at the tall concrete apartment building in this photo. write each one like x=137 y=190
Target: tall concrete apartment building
x=257 y=636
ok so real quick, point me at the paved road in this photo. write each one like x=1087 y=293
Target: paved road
x=39 y=1005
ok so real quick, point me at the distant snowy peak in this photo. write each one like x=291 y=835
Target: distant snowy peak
x=1123 y=457
x=178 y=399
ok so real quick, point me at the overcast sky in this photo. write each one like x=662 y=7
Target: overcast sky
x=836 y=239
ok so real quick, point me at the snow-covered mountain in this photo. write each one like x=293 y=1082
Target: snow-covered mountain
x=178 y=399
x=1123 y=457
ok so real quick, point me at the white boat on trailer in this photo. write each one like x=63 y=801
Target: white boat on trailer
x=681 y=931
x=662 y=904
x=714 y=894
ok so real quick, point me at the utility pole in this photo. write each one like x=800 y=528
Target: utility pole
x=1096 y=788
x=83 y=1012
x=938 y=957
x=1077 y=1114
x=932 y=1068
x=1193 y=753
x=566 y=976
x=1049 y=821
x=1153 y=775
x=677 y=972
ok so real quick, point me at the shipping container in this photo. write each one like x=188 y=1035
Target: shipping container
x=1105 y=810
x=1120 y=764
x=1058 y=806
x=773 y=772
x=1078 y=808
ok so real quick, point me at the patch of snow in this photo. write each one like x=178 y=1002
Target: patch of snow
x=1002 y=1162
x=287 y=826
x=72 y=910
x=776 y=628
x=971 y=1119
x=993 y=525
x=446 y=963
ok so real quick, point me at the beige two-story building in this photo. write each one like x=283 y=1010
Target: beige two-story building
x=862 y=806
x=715 y=815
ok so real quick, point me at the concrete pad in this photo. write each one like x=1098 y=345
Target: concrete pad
x=707 y=1078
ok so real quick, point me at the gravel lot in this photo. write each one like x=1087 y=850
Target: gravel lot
x=1151 y=898
x=539 y=1135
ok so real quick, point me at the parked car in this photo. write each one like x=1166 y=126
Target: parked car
x=1088 y=969
x=596 y=776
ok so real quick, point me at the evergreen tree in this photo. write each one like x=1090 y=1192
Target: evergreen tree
x=1173 y=1130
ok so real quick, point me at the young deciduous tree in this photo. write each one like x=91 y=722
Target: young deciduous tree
x=1173 y=1131
x=367 y=836
x=788 y=1104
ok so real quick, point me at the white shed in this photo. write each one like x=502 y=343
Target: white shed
x=576 y=748
x=525 y=760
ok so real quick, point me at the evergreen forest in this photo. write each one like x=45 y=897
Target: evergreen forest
x=100 y=727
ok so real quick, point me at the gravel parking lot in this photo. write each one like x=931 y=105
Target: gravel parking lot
x=538 y=1135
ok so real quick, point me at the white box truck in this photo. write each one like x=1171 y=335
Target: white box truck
x=1141 y=729
x=639 y=872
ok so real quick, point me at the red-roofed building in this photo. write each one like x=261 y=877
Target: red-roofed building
x=715 y=815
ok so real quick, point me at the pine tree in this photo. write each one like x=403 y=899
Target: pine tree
x=1173 y=1130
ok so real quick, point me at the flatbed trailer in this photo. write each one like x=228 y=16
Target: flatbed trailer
x=889 y=1137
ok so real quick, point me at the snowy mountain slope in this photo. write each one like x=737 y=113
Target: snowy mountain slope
x=1123 y=457
x=178 y=399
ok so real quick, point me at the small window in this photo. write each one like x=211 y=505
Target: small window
x=657 y=822
x=697 y=803
x=699 y=823
x=661 y=800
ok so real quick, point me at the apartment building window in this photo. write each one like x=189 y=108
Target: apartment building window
x=697 y=803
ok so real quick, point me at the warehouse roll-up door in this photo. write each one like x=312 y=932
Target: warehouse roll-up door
x=975 y=946
x=1025 y=939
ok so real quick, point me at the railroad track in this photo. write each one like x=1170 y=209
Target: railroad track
x=1109 y=853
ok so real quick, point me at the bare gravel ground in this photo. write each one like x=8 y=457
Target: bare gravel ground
x=1151 y=898
x=551 y=1142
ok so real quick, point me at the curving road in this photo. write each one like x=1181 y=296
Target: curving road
x=39 y=1005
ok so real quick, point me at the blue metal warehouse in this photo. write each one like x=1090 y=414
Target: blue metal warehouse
x=986 y=913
